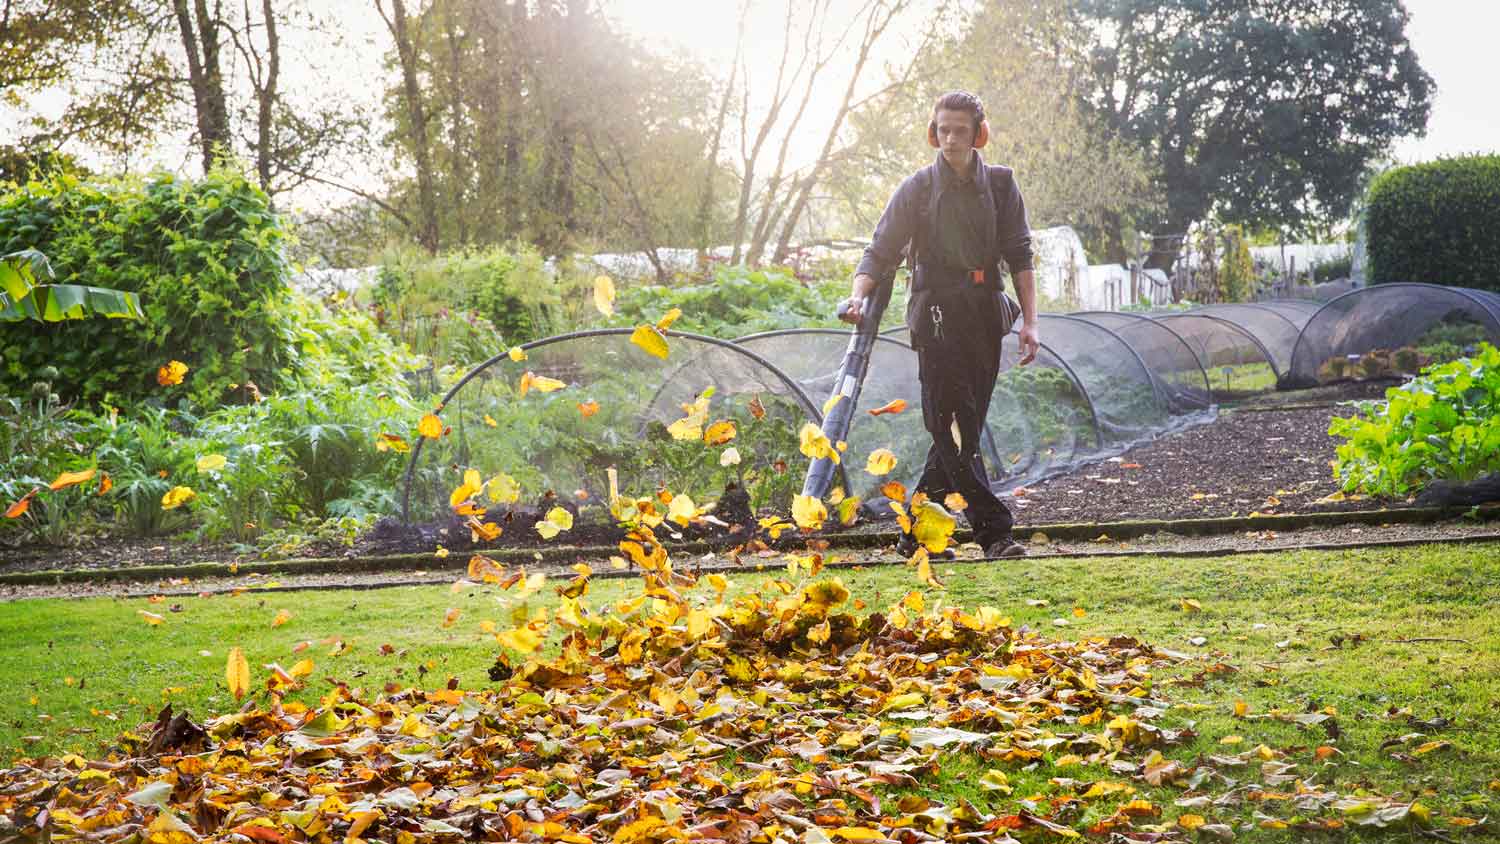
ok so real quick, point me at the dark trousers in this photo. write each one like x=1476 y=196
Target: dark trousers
x=958 y=370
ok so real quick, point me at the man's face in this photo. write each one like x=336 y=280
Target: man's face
x=955 y=132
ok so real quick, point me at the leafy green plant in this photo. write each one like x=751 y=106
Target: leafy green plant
x=22 y=296
x=739 y=301
x=1443 y=425
x=205 y=257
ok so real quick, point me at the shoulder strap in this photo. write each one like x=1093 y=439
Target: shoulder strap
x=923 y=200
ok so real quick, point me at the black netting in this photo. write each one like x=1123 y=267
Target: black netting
x=1173 y=364
x=615 y=411
x=1274 y=329
x=1039 y=416
x=1237 y=362
x=812 y=357
x=1406 y=322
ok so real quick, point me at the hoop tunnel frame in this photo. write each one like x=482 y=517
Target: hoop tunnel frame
x=885 y=335
x=814 y=415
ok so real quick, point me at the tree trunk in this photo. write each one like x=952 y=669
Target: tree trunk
x=875 y=26
x=711 y=169
x=200 y=40
x=456 y=137
x=397 y=21
x=510 y=166
x=266 y=100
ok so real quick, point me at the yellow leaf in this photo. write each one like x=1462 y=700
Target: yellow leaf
x=503 y=489
x=815 y=444
x=650 y=340
x=604 y=295
x=237 y=673
x=1191 y=606
x=818 y=634
x=667 y=319
x=924 y=569
x=468 y=489
x=730 y=457
x=430 y=427
x=516 y=354
x=880 y=462
x=451 y=616
x=303 y=668
x=391 y=442
x=176 y=497
x=490 y=421
x=933 y=526
x=440 y=553
x=848 y=510
x=857 y=833
x=543 y=384
x=893 y=406
x=894 y=491
x=282 y=617
x=631 y=645
x=588 y=408
x=699 y=623
x=522 y=639
x=719 y=432
x=557 y=520
x=1231 y=740
x=151 y=618
x=718 y=582
x=956 y=502
x=1079 y=612
x=808 y=512
x=67 y=479
x=1241 y=709
x=1190 y=822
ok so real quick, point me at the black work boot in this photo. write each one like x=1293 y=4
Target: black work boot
x=907 y=545
x=1004 y=546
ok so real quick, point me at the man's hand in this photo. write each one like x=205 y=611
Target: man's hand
x=852 y=310
x=1030 y=345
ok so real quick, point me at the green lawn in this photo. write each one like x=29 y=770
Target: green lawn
x=1307 y=632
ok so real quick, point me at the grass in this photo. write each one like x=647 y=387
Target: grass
x=1306 y=631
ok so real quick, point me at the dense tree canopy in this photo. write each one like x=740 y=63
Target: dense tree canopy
x=1260 y=111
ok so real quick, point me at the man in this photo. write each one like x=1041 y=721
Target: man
x=957 y=218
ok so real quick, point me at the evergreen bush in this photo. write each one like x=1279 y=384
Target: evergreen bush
x=1437 y=223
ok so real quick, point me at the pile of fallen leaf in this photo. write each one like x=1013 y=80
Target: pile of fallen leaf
x=680 y=714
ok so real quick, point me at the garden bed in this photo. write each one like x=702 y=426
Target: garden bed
x=1266 y=456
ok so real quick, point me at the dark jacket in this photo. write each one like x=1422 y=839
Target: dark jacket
x=905 y=221
x=898 y=226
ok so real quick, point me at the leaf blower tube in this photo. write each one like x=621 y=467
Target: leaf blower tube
x=851 y=377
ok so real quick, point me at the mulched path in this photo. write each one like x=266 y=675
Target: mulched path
x=1270 y=456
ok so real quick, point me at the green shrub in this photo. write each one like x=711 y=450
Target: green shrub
x=1437 y=223
x=204 y=257
x=740 y=301
x=510 y=288
x=1443 y=425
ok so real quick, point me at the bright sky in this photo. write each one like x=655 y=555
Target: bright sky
x=1454 y=39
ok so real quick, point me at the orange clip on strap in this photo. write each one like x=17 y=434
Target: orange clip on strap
x=977 y=276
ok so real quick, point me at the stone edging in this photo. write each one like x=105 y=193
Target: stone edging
x=1076 y=532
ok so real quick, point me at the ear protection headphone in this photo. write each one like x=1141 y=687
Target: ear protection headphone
x=981 y=131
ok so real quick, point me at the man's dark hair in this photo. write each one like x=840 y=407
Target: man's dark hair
x=961 y=101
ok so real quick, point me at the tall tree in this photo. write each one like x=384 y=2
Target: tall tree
x=1262 y=112
x=103 y=55
x=199 y=29
x=400 y=26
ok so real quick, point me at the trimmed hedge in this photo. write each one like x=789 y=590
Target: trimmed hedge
x=206 y=258
x=1437 y=223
